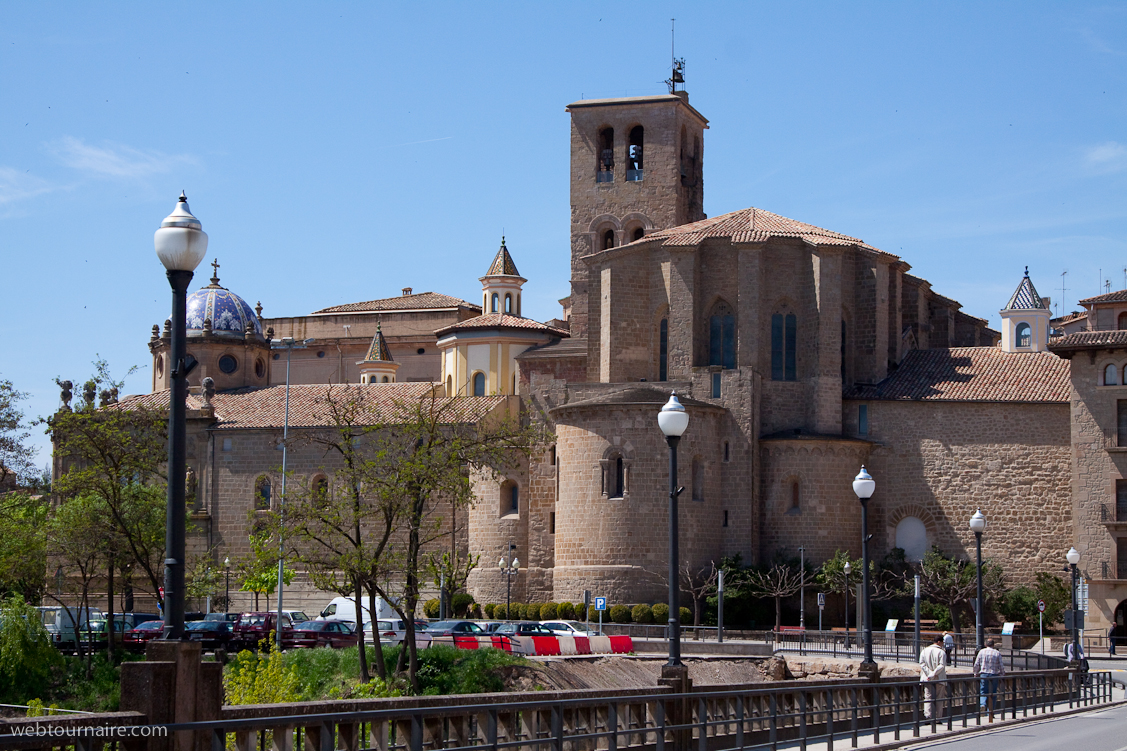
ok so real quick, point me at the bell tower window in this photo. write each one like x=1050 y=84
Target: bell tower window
x=608 y=240
x=634 y=164
x=604 y=172
x=509 y=304
x=1024 y=335
x=493 y=303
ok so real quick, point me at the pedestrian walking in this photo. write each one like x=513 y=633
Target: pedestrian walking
x=1112 y=635
x=933 y=675
x=949 y=648
x=989 y=668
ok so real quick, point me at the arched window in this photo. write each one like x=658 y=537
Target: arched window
x=608 y=240
x=479 y=384
x=634 y=166
x=911 y=537
x=727 y=452
x=493 y=303
x=514 y=498
x=508 y=303
x=1024 y=337
x=605 y=168
x=449 y=385
x=639 y=233
x=320 y=490
x=1109 y=375
x=614 y=476
x=663 y=350
x=795 y=497
x=262 y=493
x=698 y=479
x=385 y=380
x=722 y=336
x=784 y=340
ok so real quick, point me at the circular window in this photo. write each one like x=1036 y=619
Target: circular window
x=321 y=353
x=259 y=368
x=421 y=351
x=276 y=356
x=228 y=364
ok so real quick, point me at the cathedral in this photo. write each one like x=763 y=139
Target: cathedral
x=800 y=354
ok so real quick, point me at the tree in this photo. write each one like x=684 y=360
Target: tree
x=1056 y=594
x=953 y=583
x=257 y=571
x=831 y=578
x=15 y=455
x=779 y=581
x=23 y=545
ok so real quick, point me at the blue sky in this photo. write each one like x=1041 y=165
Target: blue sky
x=337 y=152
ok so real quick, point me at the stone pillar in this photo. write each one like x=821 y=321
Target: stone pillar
x=682 y=314
x=173 y=685
x=827 y=373
x=880 y=347
x=748 y=328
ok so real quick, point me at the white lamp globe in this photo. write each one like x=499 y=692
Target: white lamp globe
x=673 y=419
x=848 y=569
x=1073 y=556
x=864 y=485
x=501 y=564
x=516 y=564
x=978 y=522
x=180 y=242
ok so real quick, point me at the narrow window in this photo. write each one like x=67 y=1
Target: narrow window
x=321 y=491
x=552 y=456
x=479 y=384
x=449 y=385
x=509 y=304
x=722 y=336
x=551 y=522
x=791 y=347
x=514 y=499
x=663 y=351
x=608 y=239
x=619 y=487
x=725 y=517
x=784 y=340
x=1024 y=338
x=634 y=166
x=514 y=383
x=795 y=497
x=843 y=351
x=777 y=347
x=1121 y=500
x=605 y=168
x=1121 y=558
x=493 y=303
x=715 y=385
x=727 y=452
x=698 y=479
x=1122 y=321
x=1109 y=375
x=1124 y=375
x=1121 y=422
x=639 y=234
x=262 y=493
x=863 y=419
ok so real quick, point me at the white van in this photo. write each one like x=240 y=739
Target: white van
x=60 y=621
x=344 y=609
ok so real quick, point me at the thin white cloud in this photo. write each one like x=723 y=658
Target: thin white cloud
x=16 y=185
x=115 y=160
x=1106 y=157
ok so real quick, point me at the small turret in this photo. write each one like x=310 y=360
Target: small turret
x=378 y=366
x=500 y=287
x=1025 y=320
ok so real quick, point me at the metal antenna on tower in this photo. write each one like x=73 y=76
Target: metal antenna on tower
x=1063 y=289
x=677 y=75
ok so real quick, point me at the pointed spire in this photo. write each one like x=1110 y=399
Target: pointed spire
x=379 y=351
x=503 y=263
x=1025 y=297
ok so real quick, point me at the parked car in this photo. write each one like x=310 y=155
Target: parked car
x=571 y=628
x=489 y=626
x=137 y=637
x=228 y=617
x=335 y=634
x=454 y=628
x=210 y=634
x=60 y=623
x=296 y=616
x=524 y=628
x=255 y=627
x=394 y=631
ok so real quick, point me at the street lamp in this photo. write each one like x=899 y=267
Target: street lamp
x=673 y=420
x=863 y=486
x=978 y=525
x=288 y=344
x=802 y=587
x=180 y=244
x=1073 y=558
x=227 y=599
x=847 y=569
x=508 y=568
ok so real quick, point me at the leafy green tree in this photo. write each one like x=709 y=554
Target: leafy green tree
x=952 y=582
x=258 y=569
x=1057 y=595
x=23 y=545
x=15 y=454
x=1019 y=604
x=27 y=655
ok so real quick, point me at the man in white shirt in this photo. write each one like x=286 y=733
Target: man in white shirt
x=933 y=675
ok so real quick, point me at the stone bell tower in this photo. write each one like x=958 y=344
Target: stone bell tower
x=637 y=165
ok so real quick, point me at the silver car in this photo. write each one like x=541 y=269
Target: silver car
x=570 y=628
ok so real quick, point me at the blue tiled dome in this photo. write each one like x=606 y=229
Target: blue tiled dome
x=228 y=312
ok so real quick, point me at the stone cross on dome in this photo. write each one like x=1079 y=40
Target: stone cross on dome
x=215 y=272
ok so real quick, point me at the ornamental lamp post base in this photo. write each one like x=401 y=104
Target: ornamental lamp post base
x=868 y=671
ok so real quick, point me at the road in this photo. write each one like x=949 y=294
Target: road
x=1100 y=730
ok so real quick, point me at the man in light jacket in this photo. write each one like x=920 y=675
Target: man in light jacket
x=933 y=675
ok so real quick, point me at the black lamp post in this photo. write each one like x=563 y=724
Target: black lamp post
x=508 y=568
x=673 y=420
x=180 y=244
x=1073 y=558
x=863 y=486
x=978 y=525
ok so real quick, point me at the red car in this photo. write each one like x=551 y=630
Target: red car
x=254 y=628
x=136 y=637
x=335 y=634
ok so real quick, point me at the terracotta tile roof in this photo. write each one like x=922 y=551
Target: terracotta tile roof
x=1090 y=340
x=1120 y=296
x=1025 y=297
x=973 y=374
x=753 y=225
x=503 y=263
x=502 y=321
x=420 y=301
x=1076 y=315
x=266 y=408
